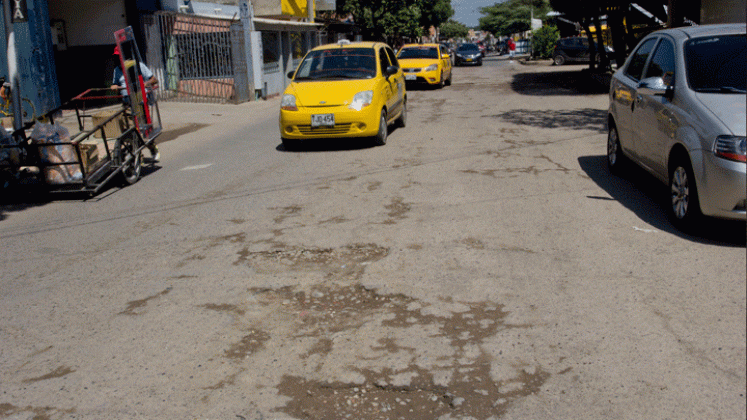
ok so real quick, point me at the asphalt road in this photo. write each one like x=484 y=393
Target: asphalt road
x=481 y=265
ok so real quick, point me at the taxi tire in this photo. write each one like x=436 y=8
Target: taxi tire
x=402 y=120
x=448 y=81
x=381 y=136
x=441 y=82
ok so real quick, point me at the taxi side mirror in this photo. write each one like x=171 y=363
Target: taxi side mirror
x=392 y=70
x=444 y=55
x=290 y=74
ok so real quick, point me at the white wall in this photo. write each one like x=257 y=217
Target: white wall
x=89 y=22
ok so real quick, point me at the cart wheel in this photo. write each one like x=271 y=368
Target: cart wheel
x=128 y=150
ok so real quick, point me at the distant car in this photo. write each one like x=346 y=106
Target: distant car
x=425 y=63
x=343 y=90
x=677 y=109
x=467 y=54
x=573 y=49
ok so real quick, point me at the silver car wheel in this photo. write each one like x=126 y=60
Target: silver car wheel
x=680 y=193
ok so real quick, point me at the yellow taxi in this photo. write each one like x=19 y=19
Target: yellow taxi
x=425 y=63
x=343 y=90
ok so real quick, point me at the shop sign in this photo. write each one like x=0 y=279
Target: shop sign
x=19 y=11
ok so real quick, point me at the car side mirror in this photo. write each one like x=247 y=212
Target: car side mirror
x=655 y=86
x=290 y=74
x=392 y=70
x=444 y=55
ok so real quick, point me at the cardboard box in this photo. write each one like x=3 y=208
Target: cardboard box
x=113 y=128
x=90 y=155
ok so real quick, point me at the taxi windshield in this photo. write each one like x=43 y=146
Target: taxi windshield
x=418 y=52
x=338 y=63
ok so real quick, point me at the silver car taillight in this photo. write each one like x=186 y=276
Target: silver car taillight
x=731 y=148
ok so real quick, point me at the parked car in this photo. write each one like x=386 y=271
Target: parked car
x=573 y=49
x=677 y=109
x=343 y=90
x=425 y=63
x=468 y=54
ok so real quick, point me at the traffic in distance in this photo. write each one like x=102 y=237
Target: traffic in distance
x=676 y=107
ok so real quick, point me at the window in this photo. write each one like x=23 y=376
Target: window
x=419 y=52
x=391 y=56
x=383 y=60
x=638 y=60
x=339 y=63
x=662 y=63
x=717 y=64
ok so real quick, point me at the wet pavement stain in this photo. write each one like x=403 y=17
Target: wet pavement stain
x=373 y=186
x=251 y=343
x=57 y=373
x=473 y=243
x=227 y=308
x=135 y=307
x=398 y=210
x=38 y=413
x=460 y=385
x=286 y=212
x=346 y=261
x=335 y=220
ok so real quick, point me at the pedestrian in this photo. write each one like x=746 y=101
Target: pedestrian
x=511 y=49
x=119 y=83
x=4 y=90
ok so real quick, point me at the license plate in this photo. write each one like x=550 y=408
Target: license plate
x=411 y=77
x=322 y=120
x=469 y=59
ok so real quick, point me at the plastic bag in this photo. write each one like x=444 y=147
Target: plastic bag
x=11 y=154
x=55 y=153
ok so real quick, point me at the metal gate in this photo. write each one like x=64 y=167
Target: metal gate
x=191 y=56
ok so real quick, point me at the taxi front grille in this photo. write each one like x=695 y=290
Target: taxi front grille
x=411 y=70
x=337 y=129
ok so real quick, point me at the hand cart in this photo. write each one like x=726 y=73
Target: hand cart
x=44 y=155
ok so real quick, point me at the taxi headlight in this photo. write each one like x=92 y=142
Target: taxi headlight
x=288 y=103
x=361 y=100
x=432 y=67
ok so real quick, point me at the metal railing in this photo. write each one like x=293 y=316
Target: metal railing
x=191 y=56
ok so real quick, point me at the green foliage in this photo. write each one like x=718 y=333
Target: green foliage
x=454 y=29
x=435 y=13
x=512 y=16
x=385 y=19
x=543 y=41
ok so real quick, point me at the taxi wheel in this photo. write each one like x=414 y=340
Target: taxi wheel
x=402 y=120
x=448 y=81
x=441 y=82
x=380 y=138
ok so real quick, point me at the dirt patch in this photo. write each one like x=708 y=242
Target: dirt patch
x=135 y=307
x=461 y=385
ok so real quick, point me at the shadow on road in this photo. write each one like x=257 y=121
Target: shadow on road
x=563 y=82
x=647 y=197
x=335 y=145
x=578 y=119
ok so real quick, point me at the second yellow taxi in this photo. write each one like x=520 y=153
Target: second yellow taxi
x=343 y=90
x=425 y=63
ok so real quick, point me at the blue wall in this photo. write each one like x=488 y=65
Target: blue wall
x=36 y=66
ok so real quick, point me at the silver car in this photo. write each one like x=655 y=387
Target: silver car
x=677 y=109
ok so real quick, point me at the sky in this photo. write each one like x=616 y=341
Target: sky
x=467 y=11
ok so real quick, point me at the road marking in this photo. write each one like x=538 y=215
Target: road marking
x=644 y=230
x=192 y=168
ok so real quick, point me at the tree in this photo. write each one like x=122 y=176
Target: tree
x=454 y=29
x=435 y=13
x=511 y=16
x=543 y=40
x=385 y=20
